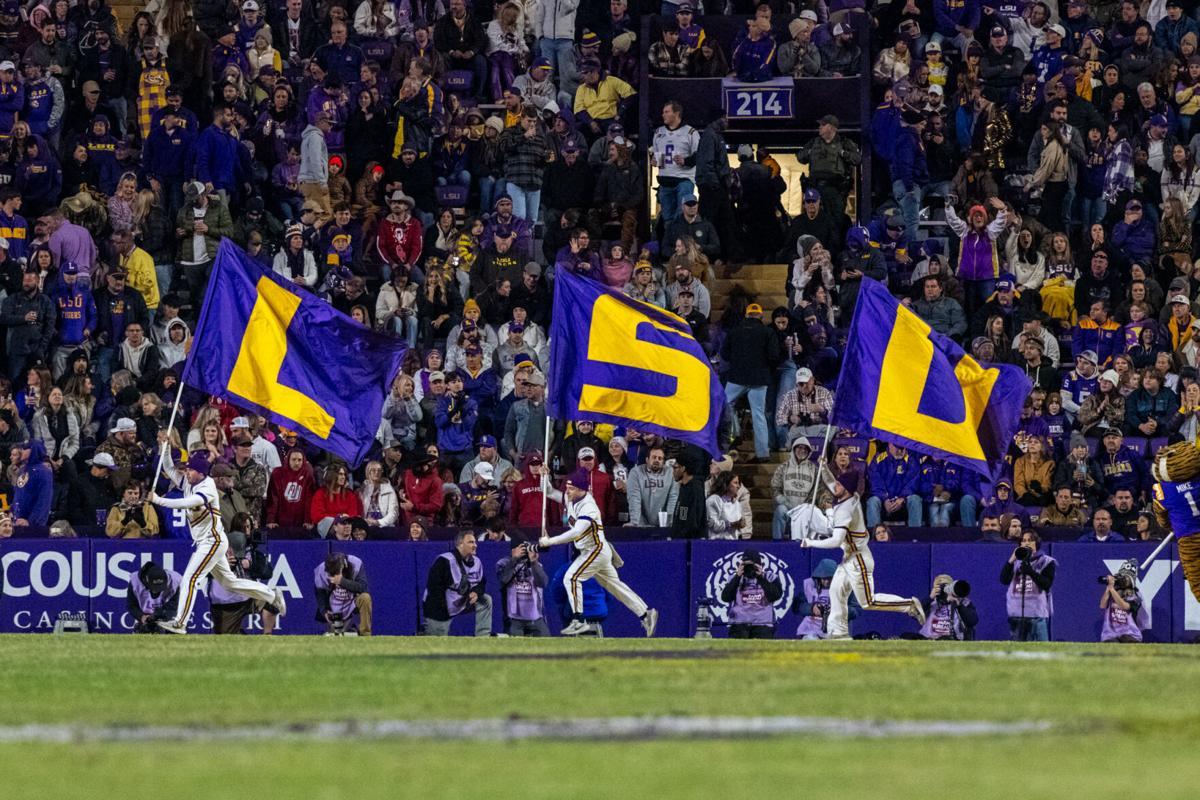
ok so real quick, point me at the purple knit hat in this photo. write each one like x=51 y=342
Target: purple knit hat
x=199 y=462
x=580 y=479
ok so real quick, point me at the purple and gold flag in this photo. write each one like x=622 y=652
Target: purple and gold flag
x=903 y=383
x=266 y=344
x=618 y=360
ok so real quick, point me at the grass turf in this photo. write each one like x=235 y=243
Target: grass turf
x=1126 y=716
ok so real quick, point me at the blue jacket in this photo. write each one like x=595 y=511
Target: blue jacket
x=1047 y=62
x=1104 y=339
x=885 y=131
x=1125 y=470
x=12 y=102
x=165 y=155
x=1167 y=34
x=40 y=180
x=1140 y=407
x=1090 y=536
x=39 y=105
x=217 y=159
x=15 y=230
x=483 y=389
x=76 y=313
x=455 y=436
x=893 y=477
x=952 y=477
x=909 y=165
x=33 y=487
x=1136 y=242
x=948 y=14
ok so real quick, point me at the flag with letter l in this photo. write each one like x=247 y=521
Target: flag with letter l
x=622 y=361
x=906 y=384
x=264 y=343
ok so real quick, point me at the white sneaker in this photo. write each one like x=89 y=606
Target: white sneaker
x=650 y=622
x=279 y=601
x=576 y=627
x=837 y=636
x=917 y=612
x=169 y=626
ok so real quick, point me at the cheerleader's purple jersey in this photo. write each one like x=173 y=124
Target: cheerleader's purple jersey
x=1181 y=501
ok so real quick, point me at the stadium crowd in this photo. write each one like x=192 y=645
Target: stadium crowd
x=427 y=168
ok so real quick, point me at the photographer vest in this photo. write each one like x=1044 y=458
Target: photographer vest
x=147 y=602
x=813 y=625
x=942 y=622
x=523 y=599
x=750 y=606
x=461 y=582
x=341 y=601
x=1024 y=598
x=1118 y=622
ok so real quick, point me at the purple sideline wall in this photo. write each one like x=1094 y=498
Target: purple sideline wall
x=45 y=577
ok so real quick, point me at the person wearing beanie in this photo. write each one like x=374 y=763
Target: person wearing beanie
x=597 y=558
x=855 y=575
x=202 y=500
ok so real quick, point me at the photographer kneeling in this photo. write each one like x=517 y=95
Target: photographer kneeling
x=751 y=595
x=949 y=613
x=1125 y=615
x=1029 y=574
x=152 y=596
x=341 y=587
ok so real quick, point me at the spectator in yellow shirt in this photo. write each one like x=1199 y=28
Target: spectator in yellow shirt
x=138 y=263
x=598 y=97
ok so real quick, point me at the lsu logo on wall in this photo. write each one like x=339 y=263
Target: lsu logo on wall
x=725 y=567
x=622 y=361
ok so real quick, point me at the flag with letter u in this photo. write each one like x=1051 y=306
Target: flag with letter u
x=264 y=343
x=619 y=360
x=903 y=383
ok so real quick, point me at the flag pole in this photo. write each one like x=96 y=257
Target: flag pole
x=1150 y=558
x=545 y=473
x=820 y=463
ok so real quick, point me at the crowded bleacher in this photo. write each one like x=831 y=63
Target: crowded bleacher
x=1025 y=181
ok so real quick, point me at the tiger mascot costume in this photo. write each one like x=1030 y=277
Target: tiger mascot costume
x=1176 y=469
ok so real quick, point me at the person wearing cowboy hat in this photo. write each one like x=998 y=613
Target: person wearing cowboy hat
x=400 y=237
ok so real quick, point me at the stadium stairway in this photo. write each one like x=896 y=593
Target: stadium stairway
x=764 y=283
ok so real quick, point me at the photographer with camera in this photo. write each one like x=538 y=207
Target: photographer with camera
x=455 y=585
x=1029 y=574
x=342 y=591
x=949 y=612
x=1125 y=614
x=229 y=609
x=152 y=596
x=523 y=584
x=751 y=594
x=813 y=603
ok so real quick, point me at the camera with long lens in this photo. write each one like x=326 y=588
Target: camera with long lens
x=1024 y=553
x=749 y=569
x=956 y=590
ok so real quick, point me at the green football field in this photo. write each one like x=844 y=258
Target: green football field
x=1112 y=720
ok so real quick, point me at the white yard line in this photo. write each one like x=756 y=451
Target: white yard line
x=515 y=729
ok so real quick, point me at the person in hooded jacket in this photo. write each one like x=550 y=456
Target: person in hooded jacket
x=857 y=261
x=39 y=176
x=33 y=485
x=290 y=491
x=102 y=152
